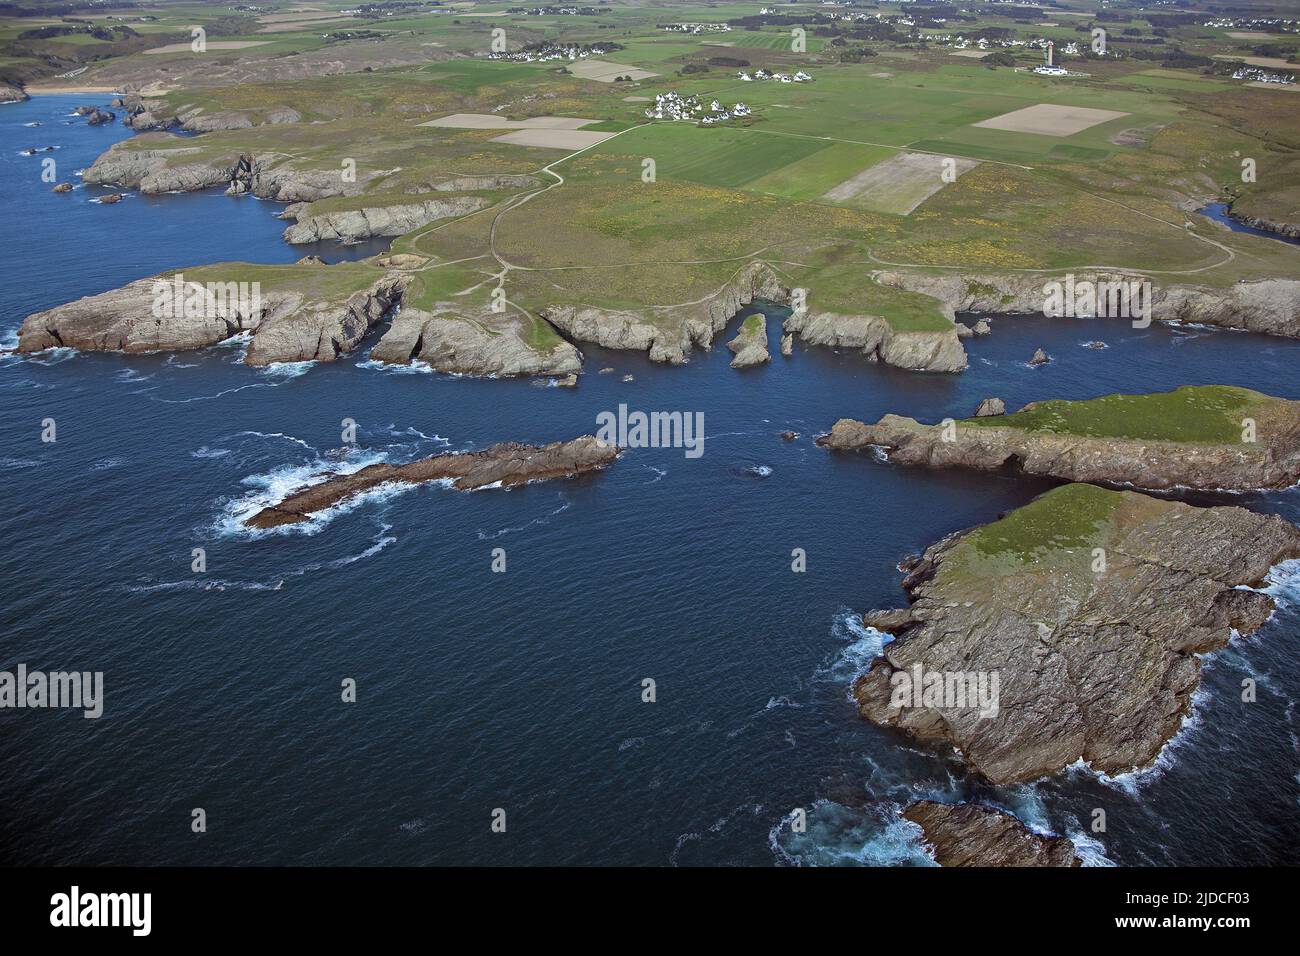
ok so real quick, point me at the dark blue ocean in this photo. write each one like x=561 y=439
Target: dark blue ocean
x=521 y=690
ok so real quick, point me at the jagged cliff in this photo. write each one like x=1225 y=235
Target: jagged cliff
x=1271 y=306
x=1254 y=444
x=879 y=341
x=296 y=321
x=454 y=338
x=356 y=224
x=1089 y=607
x=669 y=333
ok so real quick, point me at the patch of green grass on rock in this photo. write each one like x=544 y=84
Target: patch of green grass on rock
x=1071 y=516
x=1200 y=414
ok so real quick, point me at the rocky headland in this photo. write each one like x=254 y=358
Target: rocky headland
x=301 y=313
x=1270 y=306
x=966 y=834
x=12 y=94
x=1091 y=607
x=1202 y=437
x=507 y=464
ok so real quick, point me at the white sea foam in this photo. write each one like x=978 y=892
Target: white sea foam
x=837 y=835
x=492 y=535
x=286 y=370
x=206 y=452
x=416 y=367
x=862 y=644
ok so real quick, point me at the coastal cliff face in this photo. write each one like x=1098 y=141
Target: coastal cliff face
x=291 y=324
x=669 y=333
x=450 y=338
x=879 y=341
x=507 y=465
x=12 y=94
x=356 y=224
x=1270 y=306
x=964 y=834
x=750 y=344
x=159 y=170
x=1090 y=607
x=1271 y=460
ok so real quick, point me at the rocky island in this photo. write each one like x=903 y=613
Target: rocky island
x=965 y=834
x=1091 y=607
x=1205 y=437
x=506 y=465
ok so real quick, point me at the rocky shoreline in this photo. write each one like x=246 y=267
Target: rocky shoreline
x=291 y=324
x=1091 y=607
x=670 y=333
x=965 y=834
x=1271 y=459
x=506 y=465
x=1268 y=306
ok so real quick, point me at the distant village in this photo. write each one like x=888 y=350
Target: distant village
x=695 y=28
x=800 y=77
x=1260 y=75
x=546 y=51
x=676 y=107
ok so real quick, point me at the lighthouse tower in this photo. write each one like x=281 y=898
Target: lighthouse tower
x=1049 y=53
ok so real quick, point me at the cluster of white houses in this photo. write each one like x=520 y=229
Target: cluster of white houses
x=696 y=28
x=1258 y=75
x=675 y=107
x=800 y=77
x=547 y=52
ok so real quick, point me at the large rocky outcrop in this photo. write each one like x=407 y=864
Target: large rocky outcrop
x=12 y=94
x=321 y=329
x=1084 y=613
x=966 y=834
x=1271 y=460
x=153 y=171
x=879 y=341
x=454 y=338
x=1271 y=306
x=668 y=333
x=355 y=224
x=750 y=344
x=134 y=164
x=288 y=324
x=507 y=464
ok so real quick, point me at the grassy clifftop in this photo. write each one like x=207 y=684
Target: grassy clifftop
x=1202 y=414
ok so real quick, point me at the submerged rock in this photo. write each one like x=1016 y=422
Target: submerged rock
x=63 y=188
x=110 y=199
x=507 y=464
x=965 y=834
x=1070 y=629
